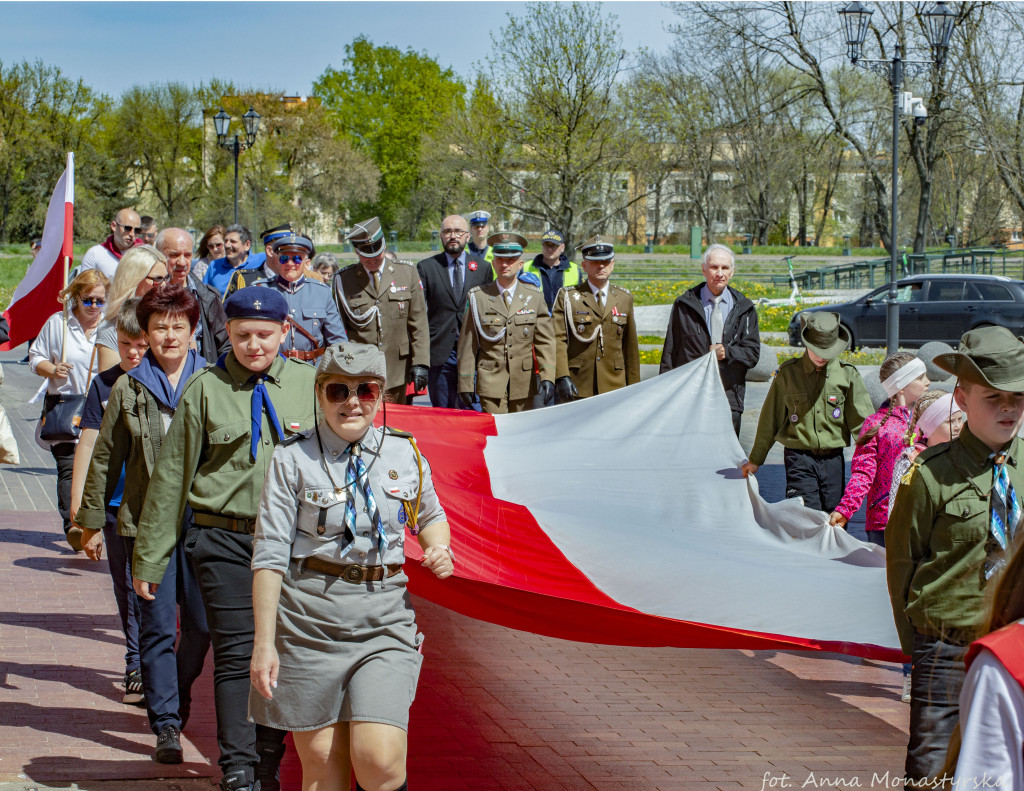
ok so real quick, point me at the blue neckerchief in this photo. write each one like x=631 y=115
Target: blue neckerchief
x=153 y=378
x=260 y=401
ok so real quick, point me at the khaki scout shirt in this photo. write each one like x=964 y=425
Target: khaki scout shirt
x=811 y=409
x=935 y=540
x=609 y=359
x=299 y=494
x=505 y=365
x=206 y=462
x=130 y=435
x=392 y=317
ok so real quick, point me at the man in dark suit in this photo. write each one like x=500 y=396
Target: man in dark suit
x=447 y=278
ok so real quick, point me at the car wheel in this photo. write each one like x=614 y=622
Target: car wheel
x=853 y=338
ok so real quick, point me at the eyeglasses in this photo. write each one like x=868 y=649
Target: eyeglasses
x=88 y=302
x=284 y=259
x=453 y=232
x=339 y=392
x=149 y=237
x=156 y=281
x=128 y=228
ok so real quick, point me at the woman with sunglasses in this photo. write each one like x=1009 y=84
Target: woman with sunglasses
x=62 y=353
x=336 y=656
x=313 y=316
x=141 y=269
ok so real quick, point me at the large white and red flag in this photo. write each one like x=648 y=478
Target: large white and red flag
x=623 y=519
x=35 y=298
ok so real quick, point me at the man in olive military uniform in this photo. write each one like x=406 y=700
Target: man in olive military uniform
x=507 y=324
x=595 y=333
x=214 y=457
x=955 y=513
x=313 y=319
x=816 y=402
x=381 y=303
x=249 y=277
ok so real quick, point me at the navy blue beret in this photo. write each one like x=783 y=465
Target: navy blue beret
x=257 y=302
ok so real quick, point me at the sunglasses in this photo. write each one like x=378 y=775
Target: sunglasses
x=128 y=228
x=298 y=259
x=156 y=281
x=97 y=302
x=339 y=392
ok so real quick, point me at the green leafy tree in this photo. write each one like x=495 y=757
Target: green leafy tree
x=385 y=102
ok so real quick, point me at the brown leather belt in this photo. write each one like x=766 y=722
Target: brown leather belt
x=204 y=519
x=298 y=354
x=349 y=572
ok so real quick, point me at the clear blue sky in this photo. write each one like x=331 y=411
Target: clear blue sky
x=266 y=45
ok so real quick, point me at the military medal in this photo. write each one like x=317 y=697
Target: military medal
x=393 y=475
x=580 y=328
x=793 y=418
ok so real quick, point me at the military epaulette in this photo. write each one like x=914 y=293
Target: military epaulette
x=398 y=432
x=404 y=261
x=346 y=268
x=932 y=451
x=790 y=361
x=297 y=436
x=620 y=288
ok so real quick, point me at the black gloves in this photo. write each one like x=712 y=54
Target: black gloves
x=419 y=377
x=545 y=390
x=467 y=399
x=565 y=389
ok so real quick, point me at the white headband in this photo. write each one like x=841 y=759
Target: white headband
x=903 y=376
x=936 y=414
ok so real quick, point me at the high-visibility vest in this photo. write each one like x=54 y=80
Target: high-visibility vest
x=570 y=277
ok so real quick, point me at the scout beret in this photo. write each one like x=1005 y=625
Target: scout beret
x=293 y=240
x=597 y=249
x=479 y=218
x=352 y=359
x=367 y=238
x=553 y=236
x=272 y=234
x=507 y=244
x=256 y=302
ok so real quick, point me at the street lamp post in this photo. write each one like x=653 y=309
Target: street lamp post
x=251 y=122
x=939 y=24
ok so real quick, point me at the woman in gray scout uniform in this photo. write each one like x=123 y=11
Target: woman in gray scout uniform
x=336 y=657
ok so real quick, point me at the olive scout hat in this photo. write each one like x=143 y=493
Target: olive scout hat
x=352 y=359
x=989 y=356
x=824 y=335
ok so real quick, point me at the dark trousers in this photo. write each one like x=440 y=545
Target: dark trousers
x=64 y=455
x=168 y=674
x=819 y=479
x=127 y=602
x=221 y=560
x=737 y=417
x=935 y=682
x=443 y=384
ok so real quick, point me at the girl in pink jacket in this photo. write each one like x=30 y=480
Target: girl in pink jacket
x=880 y=444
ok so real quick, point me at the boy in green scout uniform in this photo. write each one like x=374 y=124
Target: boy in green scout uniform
x=816 y=402
x=955 y=511
x=214 y=458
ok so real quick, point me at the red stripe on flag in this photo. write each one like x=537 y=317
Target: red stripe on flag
x=27 y=316
x=509 y=571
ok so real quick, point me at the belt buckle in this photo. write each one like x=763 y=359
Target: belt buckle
x=353 y=574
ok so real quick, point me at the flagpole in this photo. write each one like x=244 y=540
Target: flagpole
x=64 y=313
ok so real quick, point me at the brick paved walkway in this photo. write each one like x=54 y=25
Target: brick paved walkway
x=496 y=709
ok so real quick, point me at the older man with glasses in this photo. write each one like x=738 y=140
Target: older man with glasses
x=124 y=235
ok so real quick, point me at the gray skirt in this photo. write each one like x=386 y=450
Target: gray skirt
x=347 y=653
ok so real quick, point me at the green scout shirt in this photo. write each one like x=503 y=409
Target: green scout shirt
x=808 y=408
x=935 y=540
x=131 y=434
x=206 y=460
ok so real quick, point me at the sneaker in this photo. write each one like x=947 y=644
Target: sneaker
x=168 y=746
x=133 y=692
x=906 y=690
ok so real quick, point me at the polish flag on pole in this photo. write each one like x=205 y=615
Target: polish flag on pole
x=623 y=519
x=35 y=298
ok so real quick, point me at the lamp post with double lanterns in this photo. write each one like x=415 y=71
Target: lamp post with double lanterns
x=939 y=26
x=221 y=123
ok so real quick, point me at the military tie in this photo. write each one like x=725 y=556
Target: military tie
x=600 y=298
x=717 y=323
x=354 y=473
x=1005 y=514
x=507 y=296
x=376 y=280
x=458 y=281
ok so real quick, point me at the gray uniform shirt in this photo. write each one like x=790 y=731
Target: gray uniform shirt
x=298 y=487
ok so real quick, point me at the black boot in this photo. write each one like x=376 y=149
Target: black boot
x=268 y=770
x=239 y=779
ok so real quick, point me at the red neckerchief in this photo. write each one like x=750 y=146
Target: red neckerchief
x=110 y=247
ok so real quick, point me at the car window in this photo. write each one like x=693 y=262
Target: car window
x=946 y=291
x=909 y=292
x=993 y=292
